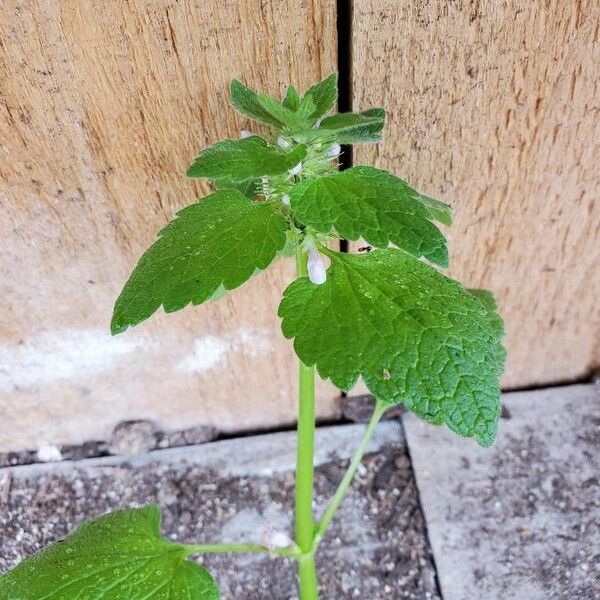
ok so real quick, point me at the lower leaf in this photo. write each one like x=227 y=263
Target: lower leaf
x=117 y=556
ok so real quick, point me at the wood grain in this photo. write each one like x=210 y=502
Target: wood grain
x=102 y=107
x=494 y=107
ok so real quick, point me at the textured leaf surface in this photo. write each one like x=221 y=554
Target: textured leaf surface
x=220 y=241
x=323 y=95
x=247 y=187
x=247 y=102
x=415 y=336
x=372 y=204
x=292 y=99
x=438 y=210
x=248 y=158
x=287 y=117
x=350 y=128
x=120 y=556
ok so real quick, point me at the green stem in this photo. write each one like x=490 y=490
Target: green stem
x=305 y=526
x=307 y=577
x=342 y=489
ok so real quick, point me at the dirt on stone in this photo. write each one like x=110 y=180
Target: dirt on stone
x=376 y=548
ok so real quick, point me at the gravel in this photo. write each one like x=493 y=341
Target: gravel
x=376 y=549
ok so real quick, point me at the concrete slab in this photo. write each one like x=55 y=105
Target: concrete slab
x=521 y=520
x=239 y=490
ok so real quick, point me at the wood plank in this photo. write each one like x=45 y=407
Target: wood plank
x=101 y=111
x=493 y=108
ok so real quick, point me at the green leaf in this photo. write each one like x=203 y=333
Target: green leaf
x=487 y=299
x=323 y=95
x=292 y=99
x=219 y=241
x=248 y=187
x=438 y=210
x=289 y=119
x=120 y=555
x=248 y=158
x=305 y=111
x=350 y=128
x=415 y=336
x=246 y=101
x=372 y=204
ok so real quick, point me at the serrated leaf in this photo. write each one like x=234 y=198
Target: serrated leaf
x=247 y=188
x=323 y=95
x=351 y=128
x=219 y=241
x=120 y=555
x=246 y=101
x=415 y=336
x=293 y=121
x=487 y=299
x=306 y=109
x=240 y=160
x=439 y=211
x=292 y=99
x=372 y=204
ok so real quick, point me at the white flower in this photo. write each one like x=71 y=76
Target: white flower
x=295 y=170
x=244 y=133
x=334 y=151
x=273 y=539
x=316 y=267
x=285 y=199
x=282 y=142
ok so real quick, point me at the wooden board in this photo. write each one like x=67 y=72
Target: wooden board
x=495 y=108
x=102 y=107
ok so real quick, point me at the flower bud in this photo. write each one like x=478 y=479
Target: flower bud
x=334 y=151
x=273 y=539
x=283 y=143
x=285 y=199
x=316 y=267
x=295 y=170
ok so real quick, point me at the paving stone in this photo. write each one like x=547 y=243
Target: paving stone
x=520 y=521
x=241 y=490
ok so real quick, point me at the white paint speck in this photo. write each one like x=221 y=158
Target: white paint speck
x=244 y=133
x=61 y=355
x=210 y=350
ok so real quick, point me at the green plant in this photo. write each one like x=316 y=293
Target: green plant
x=415 y=336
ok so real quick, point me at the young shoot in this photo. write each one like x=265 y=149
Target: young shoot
x=387 y=315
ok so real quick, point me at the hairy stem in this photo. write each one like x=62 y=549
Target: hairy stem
x=342 y=489
x=305 y=526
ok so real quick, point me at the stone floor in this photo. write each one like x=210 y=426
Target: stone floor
x=522 y=520
x=519 y=521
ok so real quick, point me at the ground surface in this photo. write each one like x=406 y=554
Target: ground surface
x=376 y=549
x=517 y=522
x=522 y=520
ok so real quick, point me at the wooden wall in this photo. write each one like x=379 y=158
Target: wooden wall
x=102 y=107
x=494 y=107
